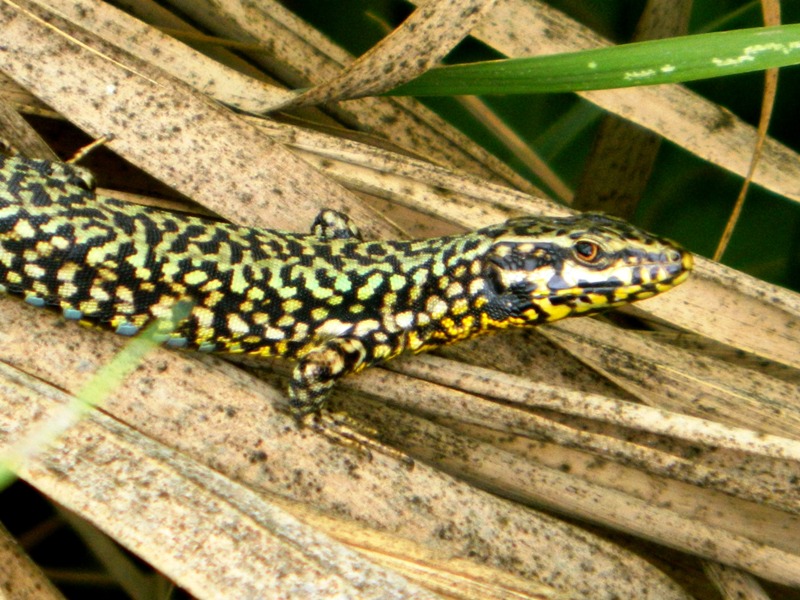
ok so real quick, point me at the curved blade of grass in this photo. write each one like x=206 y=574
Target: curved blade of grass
x=670 y=60
x=104 y=382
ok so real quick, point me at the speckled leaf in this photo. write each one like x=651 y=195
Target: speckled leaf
x=20 y=578
x=218 y=415
x=419 y=43
x=183 y=516
x=224 y=418
x=305 y=58
x=176 y=134
x=147 y=43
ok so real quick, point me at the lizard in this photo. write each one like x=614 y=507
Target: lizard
x=329 y=300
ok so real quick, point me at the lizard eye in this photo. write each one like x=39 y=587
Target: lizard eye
x=587 y=251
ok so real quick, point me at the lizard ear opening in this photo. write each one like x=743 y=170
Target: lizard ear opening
x=493 y=274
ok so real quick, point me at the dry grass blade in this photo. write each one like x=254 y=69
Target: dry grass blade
x=622 y=157
x=461 y=200
x=512 y=353
x=183 y=516
x=732 y=460
x=771 y=17
x=685 y=381
x=732 y=535
x=257 y=171
x=208 y=76
x=25 y=103
x=26 y=141
x=736 y=309
x=206 y=152
x=330 y=571
x=505 y=463
x=521 y=391
x=419 y=43
x=734 y=584
x=452 y=577
x=20 y=578
x=225 y=419
x=519 y=28
x=520 y=149
x=304 y=57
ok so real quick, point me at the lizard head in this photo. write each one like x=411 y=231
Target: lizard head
x=544 y=269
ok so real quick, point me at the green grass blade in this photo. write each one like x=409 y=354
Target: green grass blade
x=111 y=375
x=94 y=393
x=670 y=60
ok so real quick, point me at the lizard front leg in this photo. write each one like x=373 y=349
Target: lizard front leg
x=312 y=380
x=318 y=371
